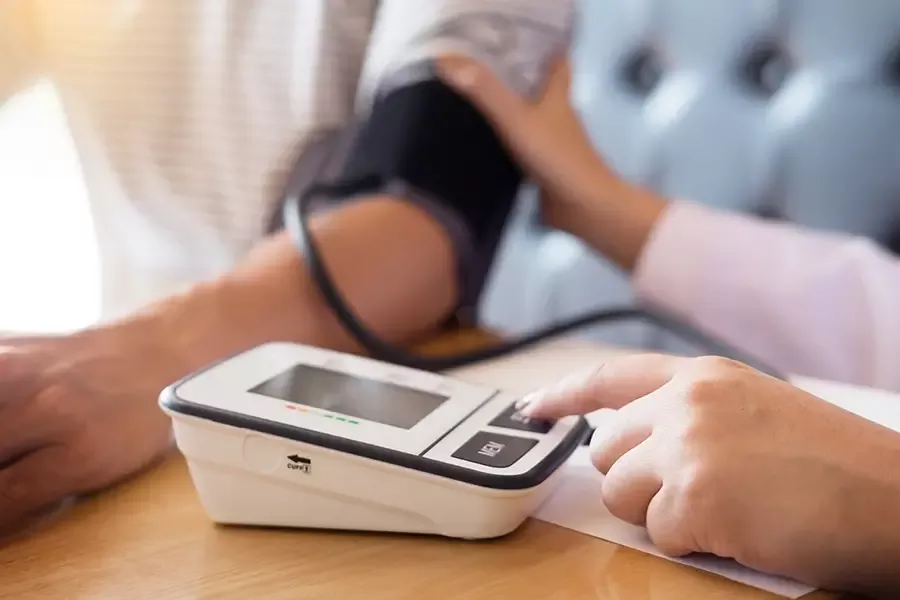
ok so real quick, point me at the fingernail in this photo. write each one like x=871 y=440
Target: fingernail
x=528 y=402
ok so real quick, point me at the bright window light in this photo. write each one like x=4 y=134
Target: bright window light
x=49 y=272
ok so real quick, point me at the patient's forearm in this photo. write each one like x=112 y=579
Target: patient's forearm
x=392 y=263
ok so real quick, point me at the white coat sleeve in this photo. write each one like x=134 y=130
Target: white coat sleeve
x=812 y=303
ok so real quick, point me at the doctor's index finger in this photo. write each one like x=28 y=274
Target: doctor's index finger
x=613 y=385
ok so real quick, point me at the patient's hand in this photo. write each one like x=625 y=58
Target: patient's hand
x=78 y=413
x=714 y=457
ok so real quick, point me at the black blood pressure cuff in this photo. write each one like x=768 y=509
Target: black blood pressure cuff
x=423 y=142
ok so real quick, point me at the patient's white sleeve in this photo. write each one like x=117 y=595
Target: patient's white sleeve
x=810 y=303
x=517 y=38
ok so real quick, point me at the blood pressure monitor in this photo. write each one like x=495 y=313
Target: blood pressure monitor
x=288 y=435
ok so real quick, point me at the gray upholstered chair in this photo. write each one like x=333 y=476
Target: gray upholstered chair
x=784 y=108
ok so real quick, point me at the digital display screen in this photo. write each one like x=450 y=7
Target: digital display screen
x=355 y=397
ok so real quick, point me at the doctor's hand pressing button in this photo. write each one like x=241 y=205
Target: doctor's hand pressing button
x=78 y=413
x=714 y=457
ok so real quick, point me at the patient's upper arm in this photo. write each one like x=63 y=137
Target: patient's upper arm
x=18 y=61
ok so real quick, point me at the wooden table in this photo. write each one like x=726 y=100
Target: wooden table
x=149 y=538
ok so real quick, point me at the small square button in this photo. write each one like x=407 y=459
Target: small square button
x=494 y=449
x=510 y=418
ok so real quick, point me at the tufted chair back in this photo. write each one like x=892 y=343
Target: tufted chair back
x=789 y=109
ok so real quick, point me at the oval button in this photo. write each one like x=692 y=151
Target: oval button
x=262 y=453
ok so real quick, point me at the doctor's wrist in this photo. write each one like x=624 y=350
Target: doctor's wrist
x=615 y=218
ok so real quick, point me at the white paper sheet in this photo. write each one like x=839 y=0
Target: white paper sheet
x=576 y=504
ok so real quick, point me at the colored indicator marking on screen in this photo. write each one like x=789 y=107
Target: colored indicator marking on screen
x=303 y=409
x=343 y=419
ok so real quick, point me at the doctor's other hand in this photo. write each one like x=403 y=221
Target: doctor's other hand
x=77 y=414
x=714 y=457
x=580 y=194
